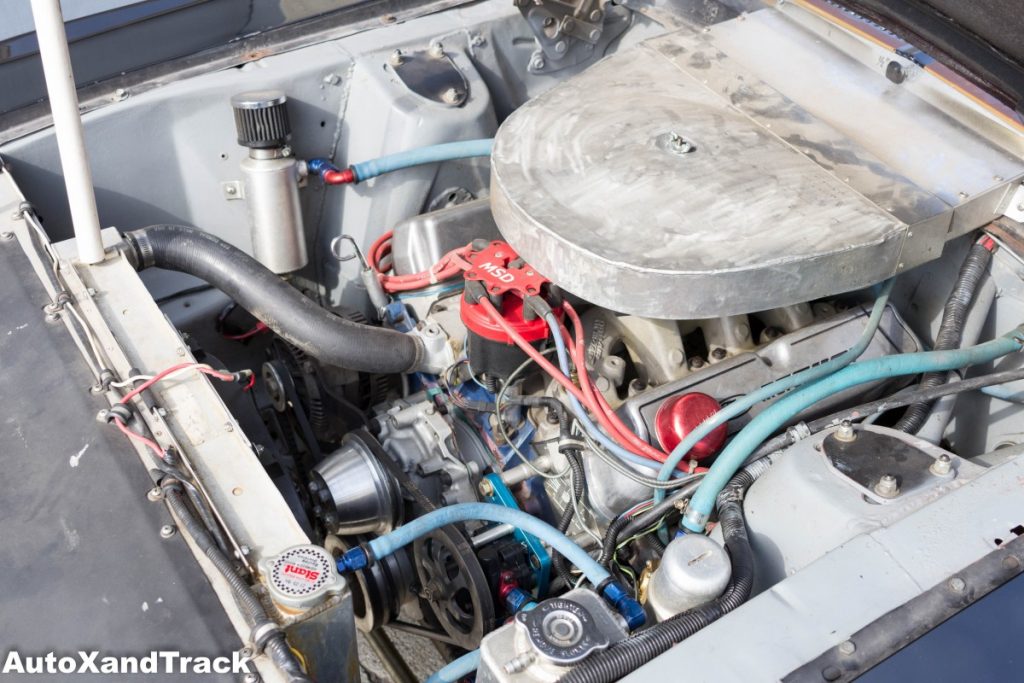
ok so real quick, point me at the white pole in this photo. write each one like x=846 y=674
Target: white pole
x=60 y=85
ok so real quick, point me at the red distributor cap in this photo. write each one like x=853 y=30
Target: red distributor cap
x=680 y=415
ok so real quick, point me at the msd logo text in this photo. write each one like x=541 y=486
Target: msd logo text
x=498 y=272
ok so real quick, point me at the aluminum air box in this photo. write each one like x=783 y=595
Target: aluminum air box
x=765 y=161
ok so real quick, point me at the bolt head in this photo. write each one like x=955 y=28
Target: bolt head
x=486 y=488
x=718 y=353
x=888 y=486
x=957 y=584
x=168 y=530
x=396 y=58
x=845 y=432
x=436 y=51
x=847 y=647
x=942 y=466
x=155 y=494
x=251 y=678
x=332 y=79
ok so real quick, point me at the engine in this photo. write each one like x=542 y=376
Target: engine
x=575 y=365
x=561 y=372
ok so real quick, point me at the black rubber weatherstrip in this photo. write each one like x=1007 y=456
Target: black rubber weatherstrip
x=902 y=626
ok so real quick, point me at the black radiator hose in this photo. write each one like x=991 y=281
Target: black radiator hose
x=951 y=328
x=294 y=317
x=629 y=655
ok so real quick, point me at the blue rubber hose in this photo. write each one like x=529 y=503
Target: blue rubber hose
x=422 y=155
x=595 y=432
x=742 y=405
x=387 y=544
x=456 y=669
x=1003 y=393
x=782 y=411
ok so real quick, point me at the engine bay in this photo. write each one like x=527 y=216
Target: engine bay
x=575 y=342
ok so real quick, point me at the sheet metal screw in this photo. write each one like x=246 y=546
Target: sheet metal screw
x=678 y=144
x=846 y=432
x=452 y=96
x=155 y=494
x=168 y=530
x=888 y=486
x=942 y=466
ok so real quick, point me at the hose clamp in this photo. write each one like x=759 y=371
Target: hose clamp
x=143 y=249
x=261 y=634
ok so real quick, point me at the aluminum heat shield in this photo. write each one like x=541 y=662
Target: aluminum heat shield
x=810 y=172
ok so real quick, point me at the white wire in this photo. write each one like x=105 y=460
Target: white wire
x=145 y=378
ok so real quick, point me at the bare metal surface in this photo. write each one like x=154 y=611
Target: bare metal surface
x=806 y=173
x=882 y=565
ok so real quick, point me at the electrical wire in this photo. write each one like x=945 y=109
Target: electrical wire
x=501 y=422
x=147 y=382
x=174 y=370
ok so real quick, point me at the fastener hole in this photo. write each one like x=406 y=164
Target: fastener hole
x=1016 y=531
x=323 y=124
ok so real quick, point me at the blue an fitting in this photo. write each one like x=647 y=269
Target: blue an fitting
x=625 y=604
x=517 y=600
x=353 y=560
x=318 y=166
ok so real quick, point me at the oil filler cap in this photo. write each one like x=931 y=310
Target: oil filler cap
x=680 y=415
x=301 y=577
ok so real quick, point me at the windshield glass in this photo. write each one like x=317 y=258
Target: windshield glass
x=111 y=37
